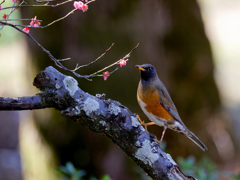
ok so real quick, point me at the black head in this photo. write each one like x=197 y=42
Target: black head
x=148 y=72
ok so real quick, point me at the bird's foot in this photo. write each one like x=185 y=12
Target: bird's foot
x=142 y=122
x=159 y=142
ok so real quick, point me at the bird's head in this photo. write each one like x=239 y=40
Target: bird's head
x=148 y=72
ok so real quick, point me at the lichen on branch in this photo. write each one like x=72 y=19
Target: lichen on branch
x=104 y=116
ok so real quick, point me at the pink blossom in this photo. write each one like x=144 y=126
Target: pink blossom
x=4 y=16
x=85 y=7
x=122 y=62
x=105 y=75
x=80 y=5
x=35 y=22
x=86 y=1
x=26 y=29
x=0 y=7
x=15 y=1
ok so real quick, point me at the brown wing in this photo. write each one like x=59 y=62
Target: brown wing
x=166 y=101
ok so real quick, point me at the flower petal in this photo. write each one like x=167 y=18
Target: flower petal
x=105 y=75
x=122 y=62
x=26 y=29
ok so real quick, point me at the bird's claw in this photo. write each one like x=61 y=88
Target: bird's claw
x=142 y=122
x=159 y=142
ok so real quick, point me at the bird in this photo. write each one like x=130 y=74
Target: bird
x=157 y=105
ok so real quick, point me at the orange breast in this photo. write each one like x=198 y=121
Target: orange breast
x=151 y=99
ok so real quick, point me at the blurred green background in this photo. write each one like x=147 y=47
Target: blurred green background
x=174 y=36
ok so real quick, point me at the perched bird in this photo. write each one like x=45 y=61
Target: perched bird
x=156 y=103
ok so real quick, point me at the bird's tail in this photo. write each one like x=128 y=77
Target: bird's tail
x=195 y=139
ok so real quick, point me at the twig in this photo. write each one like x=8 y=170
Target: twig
x=128 y=55
x=40 y=5
x=95 y=59
x=117 y=62
x=11 y=11
x=37 y=1
x=51 y=23
x=43 y=5
x=58 y=61
x=99 y=75
x=71 y=12
x=21 y=20
x=2 y=2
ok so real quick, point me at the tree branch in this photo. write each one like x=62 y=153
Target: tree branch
x=22 y=103
x=101 y=115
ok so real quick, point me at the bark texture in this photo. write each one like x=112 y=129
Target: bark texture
x=100 y=115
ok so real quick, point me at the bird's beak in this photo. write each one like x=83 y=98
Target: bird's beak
x=140 y=68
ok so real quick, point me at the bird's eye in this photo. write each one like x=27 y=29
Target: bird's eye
x=149 y=69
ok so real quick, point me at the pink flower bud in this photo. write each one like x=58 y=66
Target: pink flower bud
x=80 y=5
x=26 y=29
x=85 y=7
x=105 y=75
x=4 y=16
x=35 y=22
x=122 y=62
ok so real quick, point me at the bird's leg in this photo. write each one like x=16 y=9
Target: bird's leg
x=163 y=133
x=145 y=124
x=148 y=124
